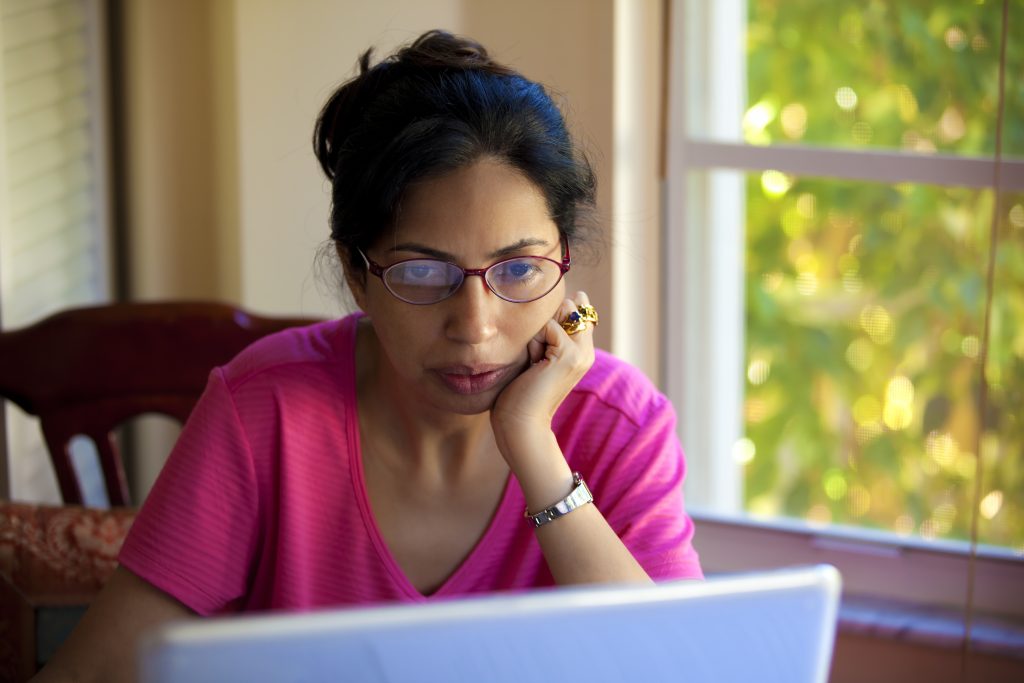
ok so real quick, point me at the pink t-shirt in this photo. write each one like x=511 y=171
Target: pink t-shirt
x=262 y=503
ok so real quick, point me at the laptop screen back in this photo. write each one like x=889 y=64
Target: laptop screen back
x=776 y=626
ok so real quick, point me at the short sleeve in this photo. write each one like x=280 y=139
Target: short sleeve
x=197 y=533
x=639 y=490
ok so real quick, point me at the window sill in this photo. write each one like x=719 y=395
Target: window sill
x=934 y=627
x=892 y=570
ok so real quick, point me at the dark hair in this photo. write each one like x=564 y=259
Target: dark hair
x=436 y=105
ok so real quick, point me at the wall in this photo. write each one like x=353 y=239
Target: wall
x=226 y=198
x=169 y=197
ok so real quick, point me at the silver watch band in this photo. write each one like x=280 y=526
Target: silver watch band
x=580 y=495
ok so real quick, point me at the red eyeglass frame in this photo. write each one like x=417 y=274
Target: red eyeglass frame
x=376 y=269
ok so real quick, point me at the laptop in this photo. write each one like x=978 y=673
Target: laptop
x=770 y=626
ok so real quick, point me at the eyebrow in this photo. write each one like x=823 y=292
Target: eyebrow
x=445 y=256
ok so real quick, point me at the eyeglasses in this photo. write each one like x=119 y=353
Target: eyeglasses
x=427 y=281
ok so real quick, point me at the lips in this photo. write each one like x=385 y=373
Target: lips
x=469 y=380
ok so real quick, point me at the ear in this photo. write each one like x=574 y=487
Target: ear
x=355 y=277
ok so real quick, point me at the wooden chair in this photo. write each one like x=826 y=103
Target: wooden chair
x=85 y=371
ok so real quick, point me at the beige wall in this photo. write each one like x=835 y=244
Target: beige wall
x=168 y=113
x=226 y=199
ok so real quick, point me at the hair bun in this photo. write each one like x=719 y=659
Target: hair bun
x=434 y=50
x=440 y=49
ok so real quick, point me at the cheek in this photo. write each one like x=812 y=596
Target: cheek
x=538 y=312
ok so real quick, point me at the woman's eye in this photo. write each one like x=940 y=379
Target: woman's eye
x=520 y=270
x=419 y=274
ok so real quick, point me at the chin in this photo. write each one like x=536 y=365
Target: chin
x=469 y=405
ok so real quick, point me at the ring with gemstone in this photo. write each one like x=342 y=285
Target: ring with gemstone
x=574 y=323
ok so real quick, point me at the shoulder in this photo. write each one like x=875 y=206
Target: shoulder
x=613 y=386
x=324 y=344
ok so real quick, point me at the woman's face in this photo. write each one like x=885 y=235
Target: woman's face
x=458 y=354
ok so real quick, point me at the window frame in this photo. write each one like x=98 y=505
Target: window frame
x=702 y=339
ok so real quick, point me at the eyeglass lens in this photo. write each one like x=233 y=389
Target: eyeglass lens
x=423 y=281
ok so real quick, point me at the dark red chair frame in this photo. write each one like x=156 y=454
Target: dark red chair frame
x=87 y=370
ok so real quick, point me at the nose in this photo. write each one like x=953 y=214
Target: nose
x=472 y=312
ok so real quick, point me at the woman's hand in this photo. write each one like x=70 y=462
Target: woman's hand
x=558 y=361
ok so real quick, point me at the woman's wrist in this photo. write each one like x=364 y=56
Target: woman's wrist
x=538 y=465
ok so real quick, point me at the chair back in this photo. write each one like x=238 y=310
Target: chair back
x=87 y=370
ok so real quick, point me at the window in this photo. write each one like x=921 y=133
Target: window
x=54 y=234
x=830 y=200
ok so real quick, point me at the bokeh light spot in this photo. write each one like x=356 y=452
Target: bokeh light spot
x=898 y=412
x=794 y=120
x=991 y=504
x=951 y=125
x=807 y=283
x=775 y=183
x=866 y=409
x=806 y=206
x=835 y=484
x=846 y=98
x=877 y=322
x=758 y=371
x=756 y=120
x=1017 y=216
x=956 y=39
x=743 y=451
x=942 y=448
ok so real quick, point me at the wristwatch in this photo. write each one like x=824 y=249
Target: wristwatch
x=579 y=496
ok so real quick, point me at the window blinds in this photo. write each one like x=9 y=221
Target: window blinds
x=54 y=228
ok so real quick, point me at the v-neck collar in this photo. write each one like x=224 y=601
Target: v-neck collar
x=453 y=584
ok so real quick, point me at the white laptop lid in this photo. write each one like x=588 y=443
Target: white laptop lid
x=774 y=626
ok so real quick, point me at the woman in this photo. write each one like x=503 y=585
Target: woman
x=391 y=455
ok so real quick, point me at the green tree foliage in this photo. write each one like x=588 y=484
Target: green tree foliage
x=865 y=301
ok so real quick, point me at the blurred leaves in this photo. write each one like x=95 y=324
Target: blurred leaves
x=865 y=301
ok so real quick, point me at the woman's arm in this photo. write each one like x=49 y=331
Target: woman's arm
x=103 y=645
x=580 y=547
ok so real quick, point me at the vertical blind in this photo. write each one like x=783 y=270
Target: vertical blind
x=54 y=227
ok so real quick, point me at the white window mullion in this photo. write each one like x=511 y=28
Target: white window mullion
x=709 y=395
x=852 y=164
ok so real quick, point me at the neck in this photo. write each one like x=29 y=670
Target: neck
x=418 y=439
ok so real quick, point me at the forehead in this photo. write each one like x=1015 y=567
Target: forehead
x=480 y=207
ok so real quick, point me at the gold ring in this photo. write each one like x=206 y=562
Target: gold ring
x=577 y=321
